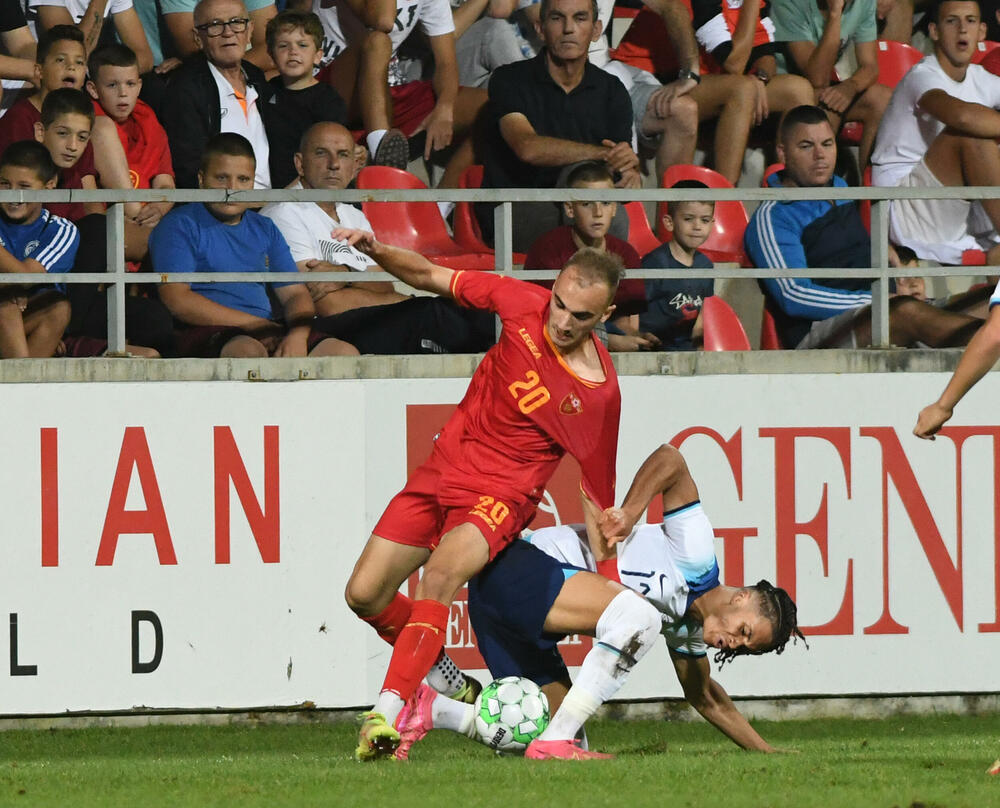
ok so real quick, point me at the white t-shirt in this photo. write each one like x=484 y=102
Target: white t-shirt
x=906 y=131
x=341 y=27
x=247 y=123
x=77 y=8
x=658 y=561
x=598 y=52
x=307 y=228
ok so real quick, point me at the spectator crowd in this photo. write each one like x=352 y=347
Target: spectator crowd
x=320 y=94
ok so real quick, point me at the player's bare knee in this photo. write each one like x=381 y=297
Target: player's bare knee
x=438 y=583
x=361 y=598
x=629 y=625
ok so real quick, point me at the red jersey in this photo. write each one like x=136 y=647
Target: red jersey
x=145 y=144
x=524 y=407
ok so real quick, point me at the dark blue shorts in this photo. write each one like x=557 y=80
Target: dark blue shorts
x=508 y=603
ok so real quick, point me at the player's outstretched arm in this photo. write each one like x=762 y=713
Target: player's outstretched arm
x=710 y=699
x=410 y=267
x=982 y=353
x=664 y=471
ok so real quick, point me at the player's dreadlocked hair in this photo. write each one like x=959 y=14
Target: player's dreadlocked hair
x=779 y=609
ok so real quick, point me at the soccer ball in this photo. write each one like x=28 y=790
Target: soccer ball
x=510 y=713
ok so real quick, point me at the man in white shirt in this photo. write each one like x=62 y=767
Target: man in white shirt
x=939 y=130
x=326 y=160
x=217 y=91
x=89 y=17
x=373 y=316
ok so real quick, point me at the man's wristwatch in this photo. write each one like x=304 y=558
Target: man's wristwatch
x=685 y=73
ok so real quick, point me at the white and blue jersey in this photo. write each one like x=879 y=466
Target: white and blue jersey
x=50 y=240
x=671 y=564
x=995 y=297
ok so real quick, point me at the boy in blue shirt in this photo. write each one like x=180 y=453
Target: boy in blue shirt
x=674 y=305
x=233 y=319
x=32 y=319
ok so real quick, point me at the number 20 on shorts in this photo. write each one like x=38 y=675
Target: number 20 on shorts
x=530 y=396
x=491 y=510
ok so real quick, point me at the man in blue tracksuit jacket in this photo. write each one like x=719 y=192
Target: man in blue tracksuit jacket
x=829 y=312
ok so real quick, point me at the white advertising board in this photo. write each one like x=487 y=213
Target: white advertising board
x=186 y=544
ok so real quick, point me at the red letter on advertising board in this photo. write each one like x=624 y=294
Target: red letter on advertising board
x=264 y=524
x=135 y=454
x=958 y=434
x=787 y=529
x=50 y=496
x=949 y=576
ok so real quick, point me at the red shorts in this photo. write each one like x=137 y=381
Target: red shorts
x=411 y=103
x=425 y=510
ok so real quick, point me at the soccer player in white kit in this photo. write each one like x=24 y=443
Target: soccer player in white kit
x=540 y=589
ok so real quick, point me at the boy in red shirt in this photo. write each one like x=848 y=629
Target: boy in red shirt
x=588 y=227
x=114 y=84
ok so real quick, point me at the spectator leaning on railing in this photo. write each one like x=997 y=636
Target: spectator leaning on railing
x=829 y=312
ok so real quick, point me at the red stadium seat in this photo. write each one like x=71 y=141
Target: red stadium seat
x=865 y=205
x=468 y=234
x=894 y=61
x=983 y=49
x=772 y=169
x=769 y=340
x=723 y=329
x=640 y=234
x=415 y=225
x=973 y=258
x=725 y=244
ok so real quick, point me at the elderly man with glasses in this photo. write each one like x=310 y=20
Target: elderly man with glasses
x=215 y=91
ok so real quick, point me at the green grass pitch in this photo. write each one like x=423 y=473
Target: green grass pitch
x=905 y=761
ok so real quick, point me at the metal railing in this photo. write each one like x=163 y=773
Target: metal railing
x=116 y=278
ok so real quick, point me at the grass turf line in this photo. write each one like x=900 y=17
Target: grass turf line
x=906 y=761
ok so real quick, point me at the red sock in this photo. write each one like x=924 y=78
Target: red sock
x=417 y=647
x=609 y=569
x=390 y=621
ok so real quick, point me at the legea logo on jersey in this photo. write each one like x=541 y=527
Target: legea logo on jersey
x=560 y=504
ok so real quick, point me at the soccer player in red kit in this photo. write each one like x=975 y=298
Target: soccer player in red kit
x=547 y=387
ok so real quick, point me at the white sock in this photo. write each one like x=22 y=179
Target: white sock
x=454 y=715
x=446 y=208
x=445 y=676
x=625 y=631
x=373 y=139
x=389 y=704
x=577 y=707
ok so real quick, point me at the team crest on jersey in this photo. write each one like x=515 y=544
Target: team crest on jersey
x=571 y=405
x=30 y=247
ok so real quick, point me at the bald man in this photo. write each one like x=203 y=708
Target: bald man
x=375 y=317
x=217 y=91
x=327 y=160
